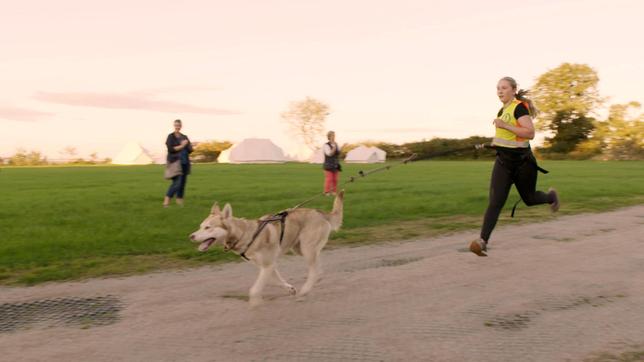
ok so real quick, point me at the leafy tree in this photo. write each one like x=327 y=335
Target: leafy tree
x=624 y=132
x=208 y=151
x=24 y=158
x=619 y=137
x=306 y=119
x=69 y=153
x=566 y=97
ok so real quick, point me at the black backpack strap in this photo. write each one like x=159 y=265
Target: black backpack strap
x=515 y=207
x=541 y=169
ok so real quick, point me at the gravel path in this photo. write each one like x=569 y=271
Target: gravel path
x=561 y=290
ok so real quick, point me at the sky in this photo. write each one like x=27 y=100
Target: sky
x=96 y=75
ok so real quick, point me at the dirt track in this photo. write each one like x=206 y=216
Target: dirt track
x=555 y=291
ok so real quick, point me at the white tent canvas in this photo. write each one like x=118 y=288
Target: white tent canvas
x=224 y=156
x=133 y=154
x=253 y=150
x=382 y=155
x=364 y=154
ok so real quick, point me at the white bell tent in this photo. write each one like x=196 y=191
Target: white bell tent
x=133 y=154
x=364 y=154
x=253 y=150
x=382 y=155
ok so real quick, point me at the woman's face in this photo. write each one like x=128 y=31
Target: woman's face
x=177 y=126
x=331 y=137
x=505 y=91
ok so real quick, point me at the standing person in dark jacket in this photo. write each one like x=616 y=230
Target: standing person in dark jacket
x=515 y=163
x=331 y=164
x=179 y=148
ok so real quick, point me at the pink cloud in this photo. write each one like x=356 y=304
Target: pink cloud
x=139 y=101
x=179 y=88
x=22 y=114
x=392 y=130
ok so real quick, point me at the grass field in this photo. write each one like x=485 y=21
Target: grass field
x=60 y=223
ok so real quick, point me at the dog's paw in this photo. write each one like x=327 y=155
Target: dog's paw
x=303 y=292
x=291 y=290
x=255 y=302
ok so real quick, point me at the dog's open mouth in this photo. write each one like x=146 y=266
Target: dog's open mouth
x=206 y=244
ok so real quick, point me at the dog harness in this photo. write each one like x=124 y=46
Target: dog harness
x=280 y=216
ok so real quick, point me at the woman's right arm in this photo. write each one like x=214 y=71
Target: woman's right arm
x=181 y=146
x=171 y=147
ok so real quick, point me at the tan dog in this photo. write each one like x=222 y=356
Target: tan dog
x=306 y=231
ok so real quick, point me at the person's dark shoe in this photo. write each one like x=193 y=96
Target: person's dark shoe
x=479 y=247
x=554 y=206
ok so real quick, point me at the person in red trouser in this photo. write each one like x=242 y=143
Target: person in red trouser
x=331 y=164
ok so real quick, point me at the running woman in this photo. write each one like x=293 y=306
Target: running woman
x=515 y=163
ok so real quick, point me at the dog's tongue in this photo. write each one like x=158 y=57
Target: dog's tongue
x=206 y=244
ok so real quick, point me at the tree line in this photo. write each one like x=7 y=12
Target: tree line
x=69 y=156
x=569 y=102
x=567 y=97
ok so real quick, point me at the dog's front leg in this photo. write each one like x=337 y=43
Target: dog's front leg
x=255 y=293
x=277 y=279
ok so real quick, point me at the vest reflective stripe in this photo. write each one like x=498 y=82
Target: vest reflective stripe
x=505 y=138
x=512 y=144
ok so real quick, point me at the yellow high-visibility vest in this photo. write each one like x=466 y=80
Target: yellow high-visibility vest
x=505 y=138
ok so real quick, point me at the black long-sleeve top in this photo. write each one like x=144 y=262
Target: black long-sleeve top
x=171 y=142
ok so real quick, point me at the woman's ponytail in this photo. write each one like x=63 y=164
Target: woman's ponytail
x=521 y=95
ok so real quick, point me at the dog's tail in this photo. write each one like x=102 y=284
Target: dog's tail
x=335 y=216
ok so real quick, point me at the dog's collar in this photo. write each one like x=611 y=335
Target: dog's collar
x=233 y=247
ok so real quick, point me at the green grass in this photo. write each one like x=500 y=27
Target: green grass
x=61 y=223
x=634 y=354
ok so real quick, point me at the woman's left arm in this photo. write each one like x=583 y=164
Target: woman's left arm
x=524 y=130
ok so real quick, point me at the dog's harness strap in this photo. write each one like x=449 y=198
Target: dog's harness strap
x=280 y=216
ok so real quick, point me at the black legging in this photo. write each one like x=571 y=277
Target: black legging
x=517 y=167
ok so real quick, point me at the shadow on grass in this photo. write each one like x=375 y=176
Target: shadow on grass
x=634 y=354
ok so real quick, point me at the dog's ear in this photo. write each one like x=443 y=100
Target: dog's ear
x=215 y=209
x=229 y=225
x=228 y=211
